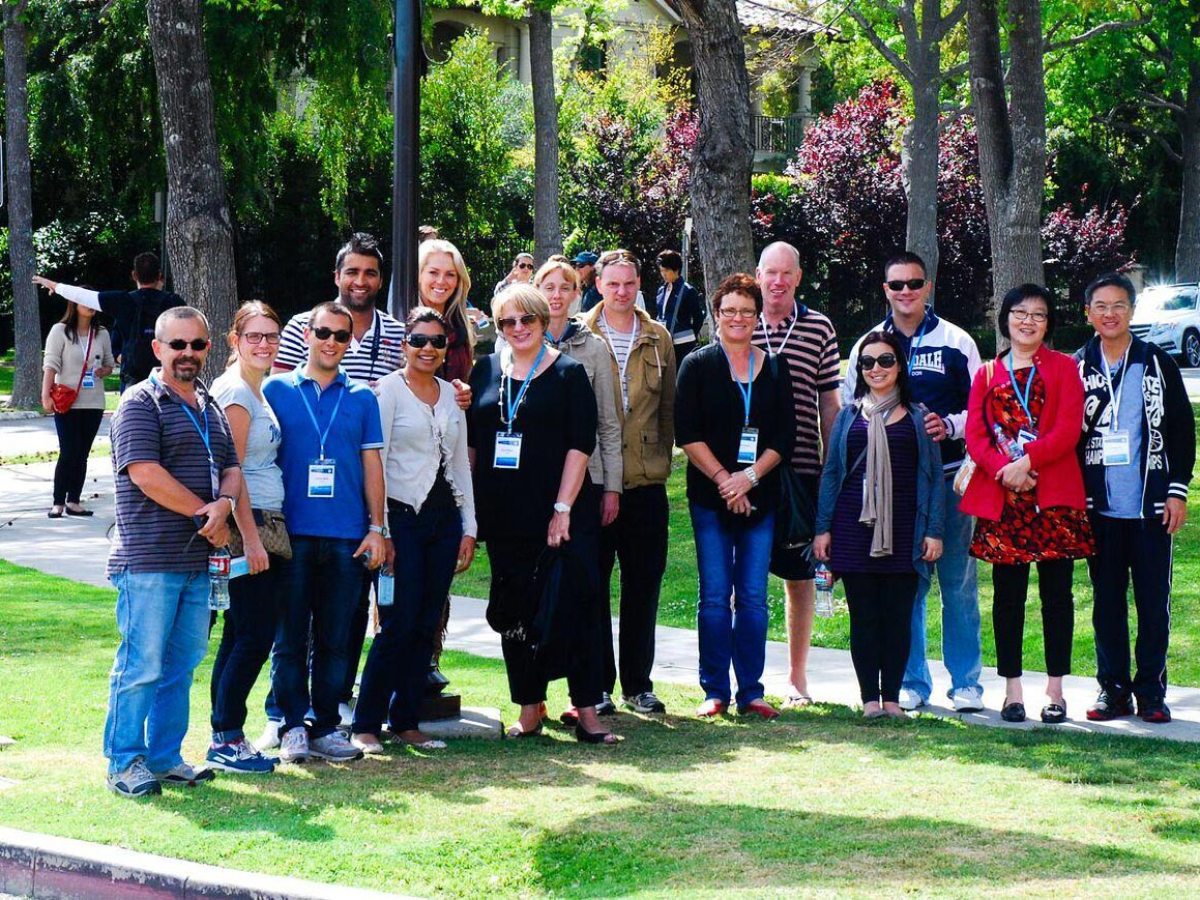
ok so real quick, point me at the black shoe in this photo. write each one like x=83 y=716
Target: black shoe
x=1110 y=705
x=1154 y=711
x=606 y=707
x=1013 y=712
x=78 y=512
x=594 y=737
x=1055 y=712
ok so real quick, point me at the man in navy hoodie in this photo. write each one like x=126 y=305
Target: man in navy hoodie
x=1138 y=449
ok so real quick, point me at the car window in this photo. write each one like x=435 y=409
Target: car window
x=1168 y=299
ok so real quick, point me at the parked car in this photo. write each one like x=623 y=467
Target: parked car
x=1167 y=315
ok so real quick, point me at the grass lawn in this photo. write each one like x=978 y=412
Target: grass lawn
x=112 y=384
x=818 y=802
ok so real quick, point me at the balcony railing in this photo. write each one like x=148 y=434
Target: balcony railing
x=778 y=134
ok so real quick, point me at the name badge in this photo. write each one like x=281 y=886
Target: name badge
x=238 y=566
x=214 y=475
x=684 y=337
x=89 y=380
x=748 y=446
x=1024 y=436
x=1116 y=448
x=508 y=450
x=321 y=476
x=386 y=591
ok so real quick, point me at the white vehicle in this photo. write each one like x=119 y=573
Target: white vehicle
x=1167 y=315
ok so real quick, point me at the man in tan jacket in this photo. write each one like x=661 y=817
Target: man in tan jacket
x=645 y=359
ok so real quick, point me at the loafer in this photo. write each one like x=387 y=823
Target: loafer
x=711 y=708
x=1055 y=712
x=368 y=743
x=78 y=512
x=1013 y=712
x=760 y=708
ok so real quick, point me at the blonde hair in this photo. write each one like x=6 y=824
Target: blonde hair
x=557 y=264
x=524 y=297
x=456 y=309
x=245 y=313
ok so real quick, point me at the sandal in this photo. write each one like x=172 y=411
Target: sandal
x=514 y=731
x=56 y=512
x=1013 y=712
x=595 y=737
x=79 y=512
x=1055 y=712
x=569 y=716
x=797 y=701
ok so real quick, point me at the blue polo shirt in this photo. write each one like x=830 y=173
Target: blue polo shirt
x=356 y=428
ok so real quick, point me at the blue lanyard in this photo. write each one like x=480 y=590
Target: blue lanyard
x=321 y=435
x=1023 y=399
x=746 y=391
x=203 y=432
x=506 y=398
x=916 y=341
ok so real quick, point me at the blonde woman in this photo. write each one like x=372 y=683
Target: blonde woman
x=443 y=284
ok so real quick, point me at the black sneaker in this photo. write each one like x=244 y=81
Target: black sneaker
x=606 y=707
x=1154 y=711
x=645 y=702
x=1110 y=705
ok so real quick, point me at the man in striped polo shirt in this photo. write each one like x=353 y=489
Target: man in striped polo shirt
x=177 y=481
x=807 y=342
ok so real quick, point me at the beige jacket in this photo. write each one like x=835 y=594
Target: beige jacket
x=65 y=358
x=648 y=426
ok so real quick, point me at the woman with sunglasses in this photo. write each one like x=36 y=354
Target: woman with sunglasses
x=879 y=518
x=733 y=419
x=533 y=427
x=1024 y=419
x=443 y=284
x=254 y=599
x=431 y=517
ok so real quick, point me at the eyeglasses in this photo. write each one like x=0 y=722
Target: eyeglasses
x=737 y=313
x=1103 y=309
x=1022 y=315
x=342 y=336
x=524 y=265
x=508 y=324
x=197 y=344
x=883 y=360
x=417 y=341
x=257 y=337
x=899 y=284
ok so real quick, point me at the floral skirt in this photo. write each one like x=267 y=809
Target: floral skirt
x=1025 y=534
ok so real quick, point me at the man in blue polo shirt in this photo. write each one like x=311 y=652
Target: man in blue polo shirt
x=333 y=503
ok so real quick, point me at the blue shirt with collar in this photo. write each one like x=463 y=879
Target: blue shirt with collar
x=356 y=429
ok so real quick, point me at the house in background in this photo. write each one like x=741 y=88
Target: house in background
x=781 y=77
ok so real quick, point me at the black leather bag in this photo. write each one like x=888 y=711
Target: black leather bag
x=796 y=517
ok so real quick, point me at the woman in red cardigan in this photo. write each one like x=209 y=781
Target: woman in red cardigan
x=1024 y=419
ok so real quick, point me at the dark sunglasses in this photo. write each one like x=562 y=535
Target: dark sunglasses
x=342 y=336
x=885 y=361
x=524 y=265
x=526 y=320
x=913 y=284
x=417 y=341
x=180 y=344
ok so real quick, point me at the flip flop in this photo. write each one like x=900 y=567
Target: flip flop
x=797 y=701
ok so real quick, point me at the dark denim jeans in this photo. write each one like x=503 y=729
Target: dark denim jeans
x=322 y=584
x=398 y=662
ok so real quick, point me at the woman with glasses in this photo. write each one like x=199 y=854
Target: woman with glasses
x=254 y=599
x=431 y=517
x=733 y=419
x=532 y=430
x=879 y=518
x=443 y=284
x=1024 y=419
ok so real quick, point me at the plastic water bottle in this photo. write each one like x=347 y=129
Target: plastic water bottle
x=218 y=579
x=824 y=584
x=1005 y=444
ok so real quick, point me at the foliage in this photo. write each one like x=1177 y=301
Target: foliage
x=1081 y=245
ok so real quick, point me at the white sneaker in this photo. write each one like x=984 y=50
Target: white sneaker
x=910 y=699
x=967 y=699
x=270 y=736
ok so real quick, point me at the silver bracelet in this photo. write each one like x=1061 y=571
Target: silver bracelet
x=751 y=475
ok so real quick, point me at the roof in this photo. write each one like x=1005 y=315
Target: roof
x=778 y=15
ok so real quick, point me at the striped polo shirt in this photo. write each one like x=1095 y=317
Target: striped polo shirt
x=379 y=353
x=808 y=343
x=152 y=424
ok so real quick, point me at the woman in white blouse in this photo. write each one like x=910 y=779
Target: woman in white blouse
x=431 y=516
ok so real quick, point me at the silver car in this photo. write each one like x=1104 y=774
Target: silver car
x=1167 y=315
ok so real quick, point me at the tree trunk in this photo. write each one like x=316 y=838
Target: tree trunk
x=547 y=231
x=921 y=175
x=1187 y=248
x=724 y=155
x=27 y=328
x=199 y=232
x=1012 y=137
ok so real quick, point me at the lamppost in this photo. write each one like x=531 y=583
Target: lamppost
x=406 y=99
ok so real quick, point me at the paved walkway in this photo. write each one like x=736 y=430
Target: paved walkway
x=20 y=437
x=77 y=548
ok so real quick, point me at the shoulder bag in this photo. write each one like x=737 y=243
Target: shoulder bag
x=967 y=469
x=62 y=398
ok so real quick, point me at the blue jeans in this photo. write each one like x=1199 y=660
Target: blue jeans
x=163 y=621
x=960 y=609
x=732 y=559
x=321 y=585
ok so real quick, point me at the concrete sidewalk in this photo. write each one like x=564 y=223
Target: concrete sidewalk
x=20 y=437
x=77 y=549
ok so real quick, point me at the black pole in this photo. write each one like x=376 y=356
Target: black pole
x=406 y=155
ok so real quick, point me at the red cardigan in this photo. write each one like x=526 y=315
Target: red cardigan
x=1059 y=478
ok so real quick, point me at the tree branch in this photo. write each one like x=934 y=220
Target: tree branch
x=948 y=21
x=1102 y=28
x=1174 y=155
x=896 y=61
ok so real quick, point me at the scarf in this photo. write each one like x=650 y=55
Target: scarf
x=877 y=482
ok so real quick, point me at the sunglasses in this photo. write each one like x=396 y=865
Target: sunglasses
x=884 y=360
x=342 y=336
x=257 y=337
x=417 y=341
x=524 y=265
x=179 y=344
x=507 y=324
x=899 y=284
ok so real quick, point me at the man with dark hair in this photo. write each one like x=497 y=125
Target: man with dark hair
x=678 y=305
x=942 y=360
x=1139 y=449
x=585 y=264
x=133 y=312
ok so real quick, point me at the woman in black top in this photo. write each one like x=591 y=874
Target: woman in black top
x=733 y=414
x=532 y=417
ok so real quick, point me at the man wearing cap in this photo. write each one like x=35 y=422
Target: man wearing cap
x=585 y=265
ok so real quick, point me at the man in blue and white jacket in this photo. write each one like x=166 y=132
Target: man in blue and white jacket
x=1138 y=449
x=942 y=360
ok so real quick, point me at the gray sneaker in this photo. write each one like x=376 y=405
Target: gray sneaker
x=645 y=702
x=184 y=775
x=136 y=781
x=293 y=747
x=335 y=746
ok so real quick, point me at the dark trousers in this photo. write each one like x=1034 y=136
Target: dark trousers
x=1010 y=585
x=246 y=639
x=358 y=638
x=1141 y=548
x=322 y=585
x=398 y=663
x=76 y=431
x=638 y=539
x=880 y=630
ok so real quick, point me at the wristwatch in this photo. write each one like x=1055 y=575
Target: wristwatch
x=381 y=530
x=232 y=503
x=562 y=507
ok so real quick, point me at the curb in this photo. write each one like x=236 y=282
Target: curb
x=9 y=415
x=40 y=865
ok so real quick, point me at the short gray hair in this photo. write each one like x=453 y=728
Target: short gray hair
x=177 y=313
x=767 y=249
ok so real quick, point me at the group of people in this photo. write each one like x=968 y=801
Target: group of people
x=345 y=442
